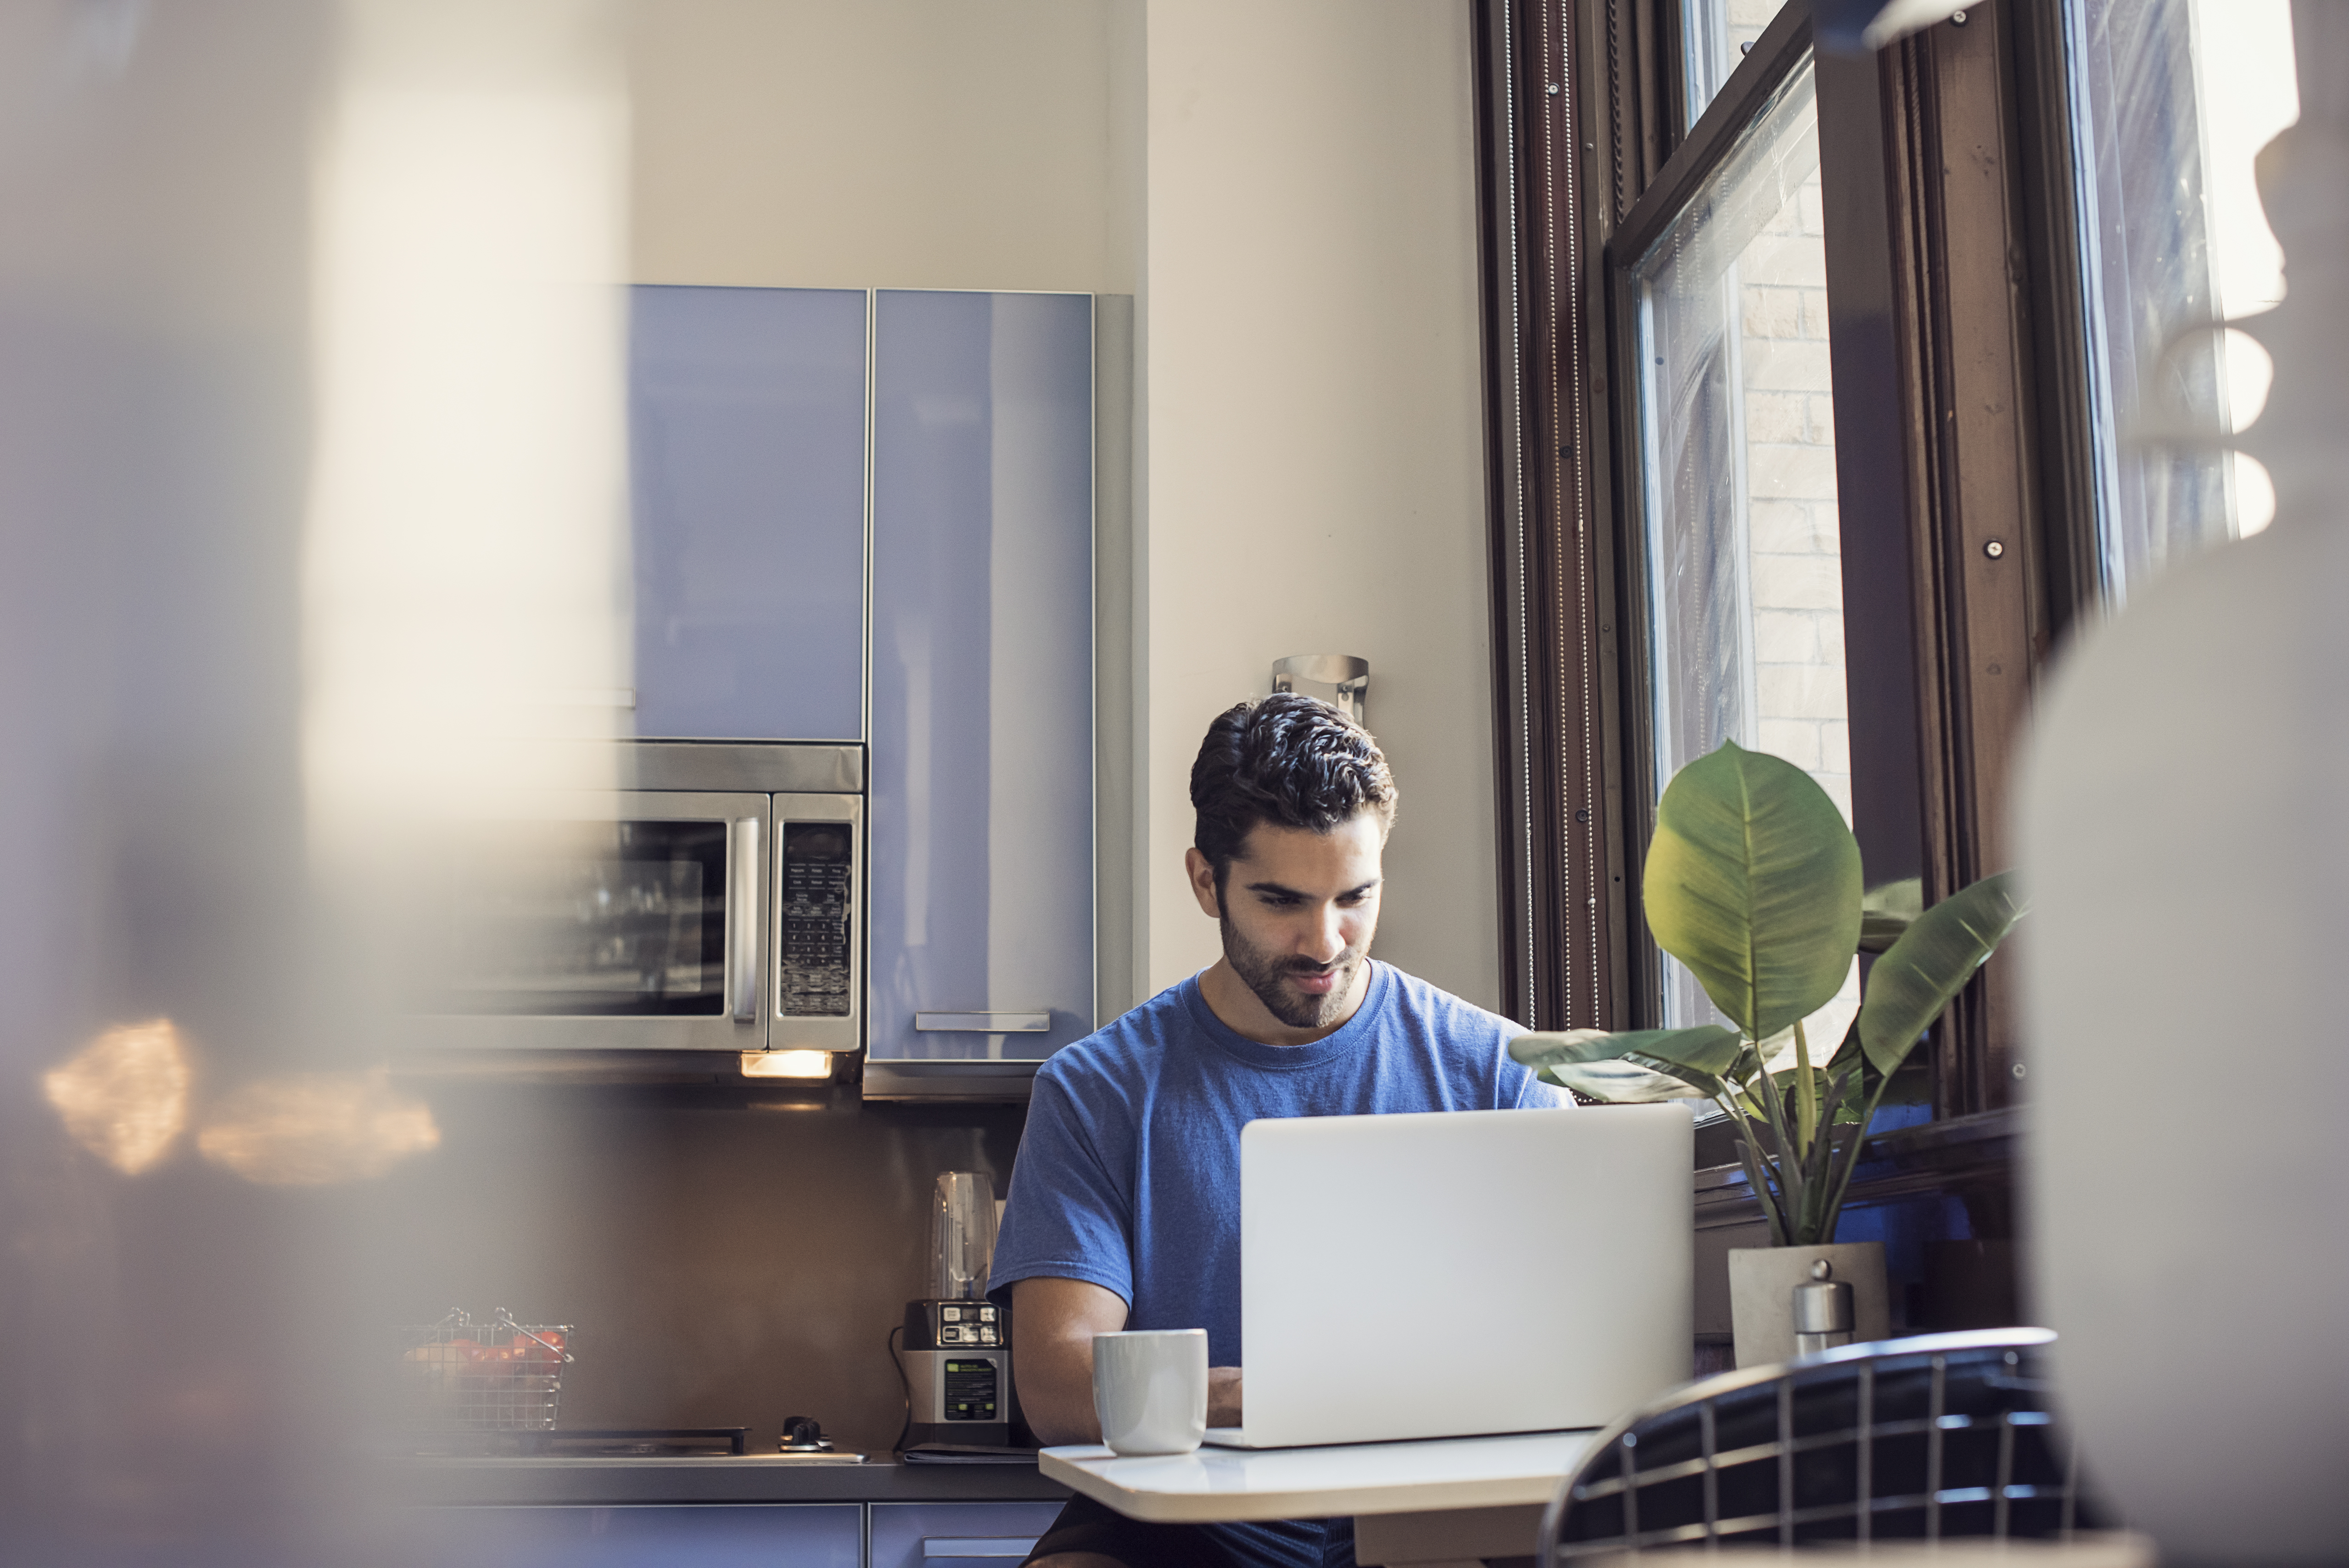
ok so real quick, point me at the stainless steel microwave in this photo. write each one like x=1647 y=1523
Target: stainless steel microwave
x=716 y=902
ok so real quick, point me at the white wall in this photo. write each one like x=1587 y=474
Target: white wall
x=885 y=143
x=1314 y=421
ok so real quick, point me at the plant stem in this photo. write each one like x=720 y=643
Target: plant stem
x=1772 y=1207
x=1817 y=1167
x=1839 y=1180
x=1789 y=1162
x=1806 y=1095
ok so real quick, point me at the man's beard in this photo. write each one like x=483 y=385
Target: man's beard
x=1264 y=972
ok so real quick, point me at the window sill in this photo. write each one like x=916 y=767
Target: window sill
x=1945 y=1156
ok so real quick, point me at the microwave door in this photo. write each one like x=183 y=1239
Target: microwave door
x=631 y=921
x=817 y=1002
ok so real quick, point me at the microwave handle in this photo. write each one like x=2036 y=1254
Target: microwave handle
x=743 y=918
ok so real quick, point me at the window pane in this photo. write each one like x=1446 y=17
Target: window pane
x=2171 y=100
x=1744 y=581
x=1715 y=34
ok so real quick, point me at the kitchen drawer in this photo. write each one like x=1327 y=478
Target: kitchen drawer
x=956 y=1534
x=766 y=1535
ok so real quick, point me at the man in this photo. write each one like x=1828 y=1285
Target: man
x=1124 y=1208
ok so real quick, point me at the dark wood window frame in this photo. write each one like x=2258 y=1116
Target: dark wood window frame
x=1961 y=423
x=1955 y=347
x=1554 y=675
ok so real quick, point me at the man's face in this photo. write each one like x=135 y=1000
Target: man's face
x=1299 y=911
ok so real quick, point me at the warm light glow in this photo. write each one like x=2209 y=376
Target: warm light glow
x=124 y=1097
x=465 y=563
x=2246 y=93
x=313 y=1129
x=2255 y=497
x=787 y=1063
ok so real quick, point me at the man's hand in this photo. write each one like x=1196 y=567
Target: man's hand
x=1052 y=1326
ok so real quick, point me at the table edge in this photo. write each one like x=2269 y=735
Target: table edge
x=1235 y=1508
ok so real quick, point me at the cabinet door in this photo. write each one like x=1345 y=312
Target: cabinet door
x=982 y=821
x=746 y=452
x=956 y=1534
x=769 y=1535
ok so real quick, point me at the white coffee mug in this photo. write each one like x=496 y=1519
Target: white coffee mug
x=1150 y=1389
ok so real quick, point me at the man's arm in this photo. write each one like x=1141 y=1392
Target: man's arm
x=1052 y=1326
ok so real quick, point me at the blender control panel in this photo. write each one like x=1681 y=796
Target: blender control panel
x=972 y=1324
x=944 y=1325
x=819 y=861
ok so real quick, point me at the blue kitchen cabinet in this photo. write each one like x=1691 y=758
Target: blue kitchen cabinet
x=956 y=1534
x=763 y=1535
x=747 y=470
x=980 y=804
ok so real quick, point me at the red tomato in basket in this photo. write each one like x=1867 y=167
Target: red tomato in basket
x=541 y=1350
x=436 y=1366
x=491 y=1365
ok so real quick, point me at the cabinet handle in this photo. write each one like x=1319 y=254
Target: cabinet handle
x=984 y=1022
x=743 y=918
x=1013 y=1547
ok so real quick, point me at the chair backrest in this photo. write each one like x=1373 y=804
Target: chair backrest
x=1939 y=1436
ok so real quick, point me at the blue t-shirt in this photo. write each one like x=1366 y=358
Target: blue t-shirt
x=1128 y=1173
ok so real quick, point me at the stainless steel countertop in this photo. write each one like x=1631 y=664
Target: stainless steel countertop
x=743 y=1478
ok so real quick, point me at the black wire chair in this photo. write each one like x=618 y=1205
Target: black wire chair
x=1941 y=1436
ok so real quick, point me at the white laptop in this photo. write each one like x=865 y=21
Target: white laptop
x=1452 y=1274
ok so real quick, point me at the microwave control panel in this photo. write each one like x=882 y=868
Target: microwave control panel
x=819 y=863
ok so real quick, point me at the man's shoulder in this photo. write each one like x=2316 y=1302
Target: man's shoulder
x=1125 y=1051
x=1449 y=1016
x=1472 y=1043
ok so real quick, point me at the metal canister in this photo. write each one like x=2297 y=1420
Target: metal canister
x=1823 y=1311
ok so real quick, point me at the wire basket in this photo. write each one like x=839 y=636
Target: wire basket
x=492 y=1374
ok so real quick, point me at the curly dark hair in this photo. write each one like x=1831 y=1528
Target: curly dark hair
x=1292 y=761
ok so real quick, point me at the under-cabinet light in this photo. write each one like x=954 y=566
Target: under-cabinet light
x=787 y=1063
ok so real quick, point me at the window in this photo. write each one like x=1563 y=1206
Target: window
x=1737 y=475
x=2171 y=100
x=2034 y=214
x=1745 y=375
x=1715 y=36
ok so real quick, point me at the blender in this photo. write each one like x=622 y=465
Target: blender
x=958 y=1354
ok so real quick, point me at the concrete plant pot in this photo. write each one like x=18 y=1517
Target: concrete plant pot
x=1762 y=1281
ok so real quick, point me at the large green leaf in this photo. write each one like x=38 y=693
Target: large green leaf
x=1754 y=882
x=1930 y=963
x=1625 y=1083
x=1708 y=1048
x=1538 y=1048
x=1888 y=910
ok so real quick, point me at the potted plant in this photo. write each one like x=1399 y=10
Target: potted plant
x=1753 y=881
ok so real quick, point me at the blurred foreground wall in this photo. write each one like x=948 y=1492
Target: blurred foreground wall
x=310 y=483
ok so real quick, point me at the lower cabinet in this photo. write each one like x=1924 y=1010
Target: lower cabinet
x=712 y=1535
x=763 y=1535
x=957 y=1534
